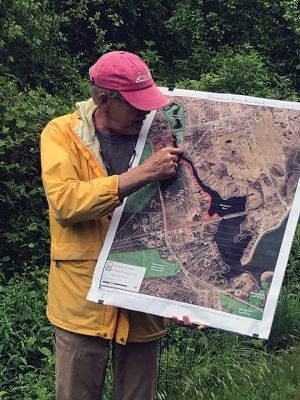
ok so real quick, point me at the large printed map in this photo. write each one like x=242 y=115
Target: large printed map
x=211 y=235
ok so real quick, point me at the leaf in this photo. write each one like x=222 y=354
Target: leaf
x=32 y=227
x=45 y=351
x=31 y=340
x=50 y=110
x=23 y=360
x=20 y=123
x=258 y=343
x=8 y=116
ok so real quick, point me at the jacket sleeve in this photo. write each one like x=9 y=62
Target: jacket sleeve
x=71 y=197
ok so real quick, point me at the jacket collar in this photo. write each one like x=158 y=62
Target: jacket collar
x=84 y=128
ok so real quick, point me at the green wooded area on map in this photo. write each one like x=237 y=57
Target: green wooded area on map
x=141 y=198
x=236 y=307
x=149 y=259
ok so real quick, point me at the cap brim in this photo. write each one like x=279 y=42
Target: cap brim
x=148 y=99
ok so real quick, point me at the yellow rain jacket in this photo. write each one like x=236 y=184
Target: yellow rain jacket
x=81 y=200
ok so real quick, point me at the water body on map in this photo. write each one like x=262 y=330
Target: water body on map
x=231 y=251
x=266 y=252
x=265 y=255
x=219 y=206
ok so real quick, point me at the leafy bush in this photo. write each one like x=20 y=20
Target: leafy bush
x=24 y=225
x=32 y=47
x=270 y=28
x=242 y=72
x=27 y=360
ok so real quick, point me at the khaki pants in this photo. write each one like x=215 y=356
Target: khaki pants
x=81 y=364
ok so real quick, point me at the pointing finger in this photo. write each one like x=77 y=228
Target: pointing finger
x=175 y=150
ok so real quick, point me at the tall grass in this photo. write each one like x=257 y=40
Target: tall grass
x=237 y=376
x=228 y=367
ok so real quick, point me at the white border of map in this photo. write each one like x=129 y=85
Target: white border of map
x=198 y=314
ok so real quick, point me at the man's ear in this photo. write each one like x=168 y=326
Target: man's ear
x=102 y=99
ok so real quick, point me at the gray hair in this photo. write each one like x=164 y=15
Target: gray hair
x=96 y=90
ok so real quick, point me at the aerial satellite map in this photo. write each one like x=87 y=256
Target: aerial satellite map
x=211 y=235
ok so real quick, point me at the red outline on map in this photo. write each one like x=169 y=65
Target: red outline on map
x=208 y=218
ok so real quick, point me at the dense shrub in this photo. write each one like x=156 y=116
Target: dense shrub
x=24 y=226
x=185 y=35
x=271 y=28
x=26 y=362
x=32 y=46
x=243 y=72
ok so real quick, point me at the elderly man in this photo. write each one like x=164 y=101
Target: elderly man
x=86 y=158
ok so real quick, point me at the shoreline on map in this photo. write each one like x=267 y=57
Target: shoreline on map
x=260 y=237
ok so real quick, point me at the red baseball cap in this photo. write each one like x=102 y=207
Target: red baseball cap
x=127 y=73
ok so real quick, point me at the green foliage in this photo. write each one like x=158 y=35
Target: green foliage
x=292 y=277
x=25 y=29
x=286 y=325
x=229 y=371
x=151 y=57
x=24 y=225
x=271 y=28
x=243 y=72
x=180 y=40
x=31 y=46
x=27 y=360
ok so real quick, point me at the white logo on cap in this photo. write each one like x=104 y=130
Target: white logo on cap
x=143 y=77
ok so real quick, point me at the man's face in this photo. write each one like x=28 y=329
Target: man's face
x=123 y=118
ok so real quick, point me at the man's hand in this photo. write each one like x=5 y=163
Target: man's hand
x=187 y=323
x=159 y=166
x=162 y=164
